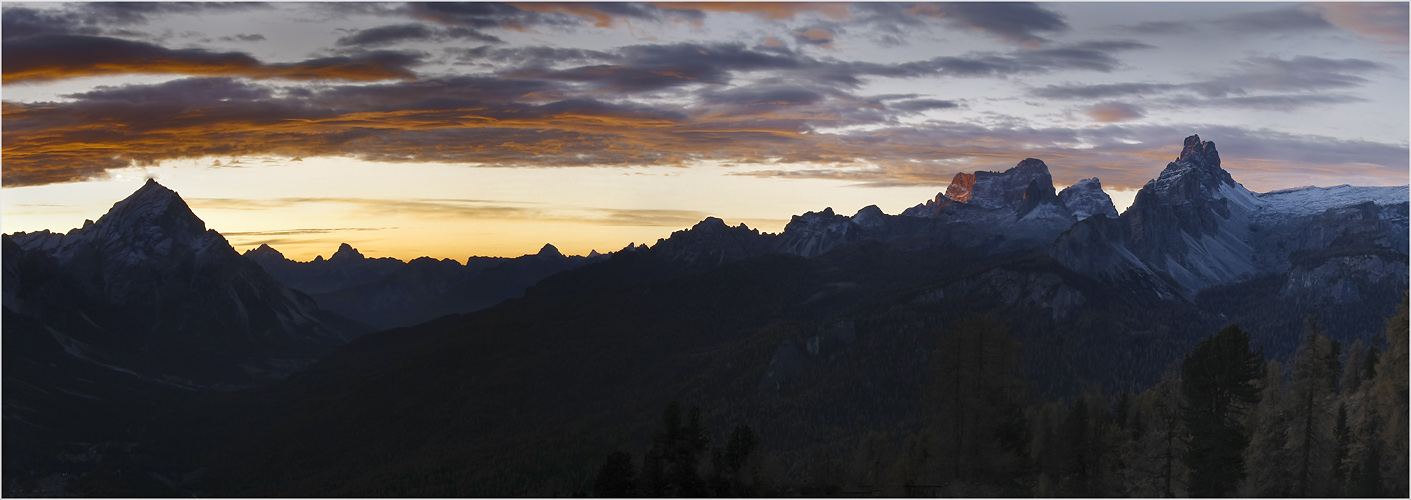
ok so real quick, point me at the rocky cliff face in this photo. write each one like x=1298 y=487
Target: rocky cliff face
x=999 y=189
x=1194 y=227
x=815 y=233
x=1086 y=199
x=710 y=241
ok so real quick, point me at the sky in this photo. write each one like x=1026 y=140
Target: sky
x=450 y=130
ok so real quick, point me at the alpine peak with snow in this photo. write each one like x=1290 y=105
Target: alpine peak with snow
x=1195 y=227
x=150 y=290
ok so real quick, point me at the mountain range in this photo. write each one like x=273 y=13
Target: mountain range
x=512 y=376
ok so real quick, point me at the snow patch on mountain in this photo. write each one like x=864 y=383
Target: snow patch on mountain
x=1311 y=200
x=1086 y=198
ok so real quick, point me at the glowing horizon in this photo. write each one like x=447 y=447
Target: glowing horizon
x=450 y=130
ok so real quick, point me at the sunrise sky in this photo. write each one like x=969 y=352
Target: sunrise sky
x=450 y=130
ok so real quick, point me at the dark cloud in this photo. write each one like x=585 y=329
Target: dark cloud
x=127 y=13
x=919 y=105
x=1267 y=83
x=54 y=57
x=20 y=22
x=656 y=67
x=1102 y=91
x=1284 y=102
x=243 y=37
x=1089 y=56
x=1300 y=74
x=1019 y=22
x=412 y=32
x=386 y=35
x=1159 y=28
x=1299 y=19
x=197 y=90
x=765 y=97
x=537 y=56
x=649 y=68
x=609 y=14
x=484 y=15
x=101 y=18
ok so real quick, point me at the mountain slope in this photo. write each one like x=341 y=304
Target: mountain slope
x=1194 y=227
x=155 y=292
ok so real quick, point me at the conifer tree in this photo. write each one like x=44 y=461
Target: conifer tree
x=1218 y=385
x=1270 y=462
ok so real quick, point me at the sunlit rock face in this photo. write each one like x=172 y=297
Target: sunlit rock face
x=999 y=189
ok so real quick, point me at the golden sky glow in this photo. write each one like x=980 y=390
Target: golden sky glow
x=452 y=130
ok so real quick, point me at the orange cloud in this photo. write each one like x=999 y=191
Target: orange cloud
x=1384 y=21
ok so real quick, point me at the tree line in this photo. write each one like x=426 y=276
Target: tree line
x=1330 y=421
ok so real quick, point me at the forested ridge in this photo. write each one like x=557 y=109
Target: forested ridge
x=1327 y=421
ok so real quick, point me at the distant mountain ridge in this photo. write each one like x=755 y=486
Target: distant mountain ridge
x=1192 y=228
x=388 y=293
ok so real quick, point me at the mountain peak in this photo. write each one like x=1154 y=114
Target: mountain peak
x=1086 y=199
x=998 y=189
x=1196 y=171
x=549 y=250
x=264 y=251
x=1029 y=165
x=149 y=215
x=1198 y=150
x=709 y=223
x=346 y=252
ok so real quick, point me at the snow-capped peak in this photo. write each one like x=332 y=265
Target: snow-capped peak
x=1086 y=199
x=153 y=204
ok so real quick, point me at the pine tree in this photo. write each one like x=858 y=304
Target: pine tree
x=1218 y=386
